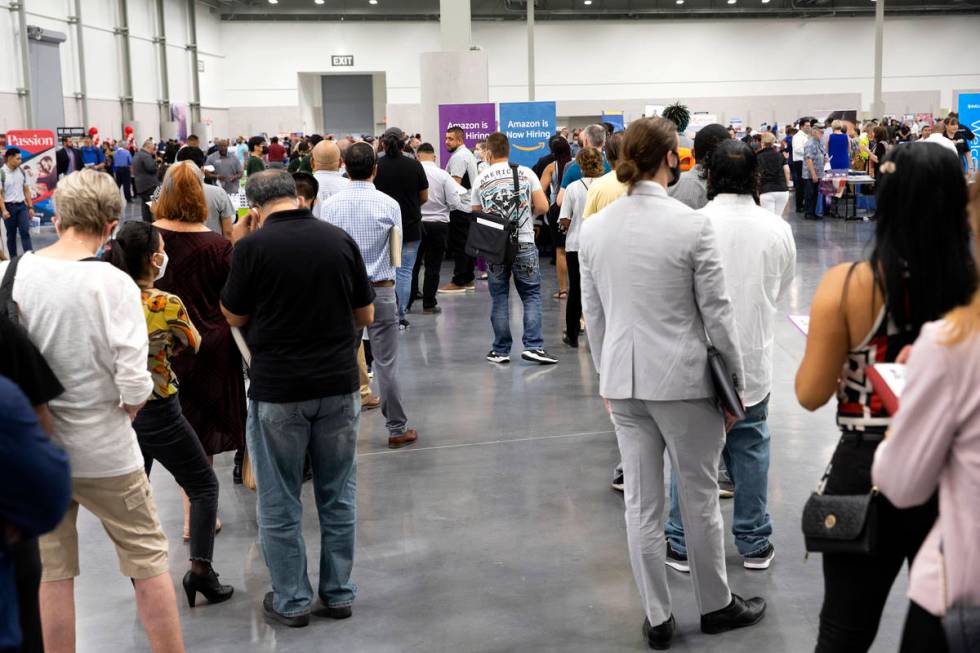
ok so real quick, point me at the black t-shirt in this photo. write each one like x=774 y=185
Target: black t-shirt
x=299 y=280
x=880 y=150
x=22 y=363
x=772 y=177
x=402 y=178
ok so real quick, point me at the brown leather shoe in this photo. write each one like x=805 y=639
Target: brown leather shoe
x=403 y=440
x=372 y=403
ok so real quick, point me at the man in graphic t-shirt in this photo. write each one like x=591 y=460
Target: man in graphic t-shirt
x=493 y=192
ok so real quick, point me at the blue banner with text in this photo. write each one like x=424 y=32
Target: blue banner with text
x=528 y=126
x=970 y=118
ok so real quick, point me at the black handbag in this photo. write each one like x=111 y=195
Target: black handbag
x=493 y=237
x=840 y=523
x=725 y=384
x=962 y=626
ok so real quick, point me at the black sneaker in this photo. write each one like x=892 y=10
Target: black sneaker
x=402 y=324
x=677 y=561
x=658 y=637
x=617 y=482
x=761 y=560
x=324 y=610
x=539 y=356
x=726 y=489
x=297 y=621
x=495 y=357
x=739 y=614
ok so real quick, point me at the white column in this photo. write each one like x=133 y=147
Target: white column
x=877 y=104
x=530 y=50
x=450 y=78
x=455 y=24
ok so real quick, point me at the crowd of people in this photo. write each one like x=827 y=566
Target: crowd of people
x=304 y=296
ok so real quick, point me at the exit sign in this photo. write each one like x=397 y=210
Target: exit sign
x=342 y=60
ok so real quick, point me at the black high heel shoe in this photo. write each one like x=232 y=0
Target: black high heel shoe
x=208 y=585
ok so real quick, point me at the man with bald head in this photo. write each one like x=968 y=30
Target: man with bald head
x=326 y=168
x=227 y=168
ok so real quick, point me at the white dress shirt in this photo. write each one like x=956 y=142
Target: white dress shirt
x=799 y=143
x=573 y=208
x=444 y=194
x=331 y=182
x=758 y=255
x=86 y=318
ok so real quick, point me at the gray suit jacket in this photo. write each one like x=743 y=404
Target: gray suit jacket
x=144 y=172
x=652 y=285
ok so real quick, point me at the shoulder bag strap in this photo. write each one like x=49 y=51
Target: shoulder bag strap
x=7 y=304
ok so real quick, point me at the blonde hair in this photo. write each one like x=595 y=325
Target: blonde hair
x=87 y=201
x=768 y=139
x=964 y=322
x=837 y=124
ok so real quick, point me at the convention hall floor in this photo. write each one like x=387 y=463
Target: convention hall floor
x=498 y=531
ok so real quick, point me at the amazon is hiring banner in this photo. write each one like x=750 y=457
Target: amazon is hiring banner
x=476 y=120
x=39 y=166
x=528 y=126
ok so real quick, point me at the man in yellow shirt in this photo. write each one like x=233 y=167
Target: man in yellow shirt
x=606 y=189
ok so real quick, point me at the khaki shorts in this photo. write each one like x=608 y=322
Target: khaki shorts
x=125 y=507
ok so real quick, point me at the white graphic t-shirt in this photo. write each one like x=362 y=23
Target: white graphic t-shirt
x=494 y=189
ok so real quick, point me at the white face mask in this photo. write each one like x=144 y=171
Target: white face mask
x=163 y=267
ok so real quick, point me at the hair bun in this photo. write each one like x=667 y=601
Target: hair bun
x=627 y=171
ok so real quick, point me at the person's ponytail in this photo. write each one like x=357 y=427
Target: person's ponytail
x=132 y=248
x=392 y=145
x=627 y=172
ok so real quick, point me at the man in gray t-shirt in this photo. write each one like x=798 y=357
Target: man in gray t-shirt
x=221 y=212
x=462 y=168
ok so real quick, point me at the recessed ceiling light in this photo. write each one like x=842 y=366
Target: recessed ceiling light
x=731 y=2
x=372 y=2
x=587 y=2
x=320 y=2
x=273 y=2
x=765 y=2
x=680 y=2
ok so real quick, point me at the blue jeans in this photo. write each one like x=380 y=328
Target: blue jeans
x=403 y=276
x=746 y=455
x=279 y=437
x=527 y=280
x=19 y=220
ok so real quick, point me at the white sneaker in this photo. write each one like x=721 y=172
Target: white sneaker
x=539 y=356
x=495 y=357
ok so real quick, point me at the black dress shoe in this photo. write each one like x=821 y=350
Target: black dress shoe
x=324 y=610
x=569 y=342
x=658 y=638
x=298 y=621
x=739 y=614
x=207 y=585
x=236 y=474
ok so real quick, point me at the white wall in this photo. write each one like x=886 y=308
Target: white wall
x=760 y=69
x=103 y=61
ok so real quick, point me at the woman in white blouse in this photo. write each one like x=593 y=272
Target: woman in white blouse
x=570 y=222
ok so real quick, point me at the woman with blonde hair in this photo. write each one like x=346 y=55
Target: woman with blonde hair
x=774 y=176
x=212 y=387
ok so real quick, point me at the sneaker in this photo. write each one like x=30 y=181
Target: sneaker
x=539 y=356
x=483 y=276
x=452 y=289
x=403 y=324
x=324 y=610
x=677 y=561
x=494 y=357
x=297 y=621
x=470 y=286
x=726 y=489
x=617 y=482
x=760 y=560
x=371 y=374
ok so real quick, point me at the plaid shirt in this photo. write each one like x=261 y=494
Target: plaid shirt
x=813 y=152
x=368 y=216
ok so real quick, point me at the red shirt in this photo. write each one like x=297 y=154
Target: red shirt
x=276 y=152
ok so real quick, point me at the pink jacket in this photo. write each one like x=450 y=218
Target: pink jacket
x=935 y=441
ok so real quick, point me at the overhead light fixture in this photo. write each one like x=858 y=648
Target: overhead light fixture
x=765 y=2
x=587 y=2
x=680 y=2
x=273 y=2
x=372 y=2
x=319 y=2
x=731 y=2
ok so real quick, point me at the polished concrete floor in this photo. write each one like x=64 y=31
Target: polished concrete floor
x=498 y=531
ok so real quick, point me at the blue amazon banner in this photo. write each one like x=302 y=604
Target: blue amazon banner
x=970 y=118
x=528 y=126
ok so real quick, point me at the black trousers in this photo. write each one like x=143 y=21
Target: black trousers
x=573 y=306
x=144 y=198
x=26 y=560
x=923 y=632
x=432 y=250
x=810 y=197
x=857 y=586
x=459 y=230
x=799 y=183
x=124 y=179
x=164 y=434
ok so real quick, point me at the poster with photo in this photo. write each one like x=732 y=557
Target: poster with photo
x=38 y=164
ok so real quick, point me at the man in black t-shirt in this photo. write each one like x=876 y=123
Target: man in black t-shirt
x=302 y=288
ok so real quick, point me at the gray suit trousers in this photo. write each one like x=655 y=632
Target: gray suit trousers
x=383 y=333
x=693 y=434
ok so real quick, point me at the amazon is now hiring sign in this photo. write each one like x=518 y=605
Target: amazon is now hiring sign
x=528 y=126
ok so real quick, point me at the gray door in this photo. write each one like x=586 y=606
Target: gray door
x=348 y=104
x=47 y=96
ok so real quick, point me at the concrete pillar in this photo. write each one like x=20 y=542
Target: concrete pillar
x=450 y=78
x=455 y=25
x=878 y=104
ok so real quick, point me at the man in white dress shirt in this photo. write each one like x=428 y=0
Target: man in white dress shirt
x=326 y=169
x=445 y=196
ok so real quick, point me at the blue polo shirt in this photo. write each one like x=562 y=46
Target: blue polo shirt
x=121 y=158
x=92 y=155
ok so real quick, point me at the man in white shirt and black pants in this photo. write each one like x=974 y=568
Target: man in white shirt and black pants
x=799 y=142
x=758 y=255
x=444 y=199
x=463 y=169
x=15 y=203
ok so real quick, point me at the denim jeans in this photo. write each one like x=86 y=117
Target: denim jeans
x=164 y=434
x=403 y=276
x=279 y=437
x=746 y=455
x=527 y=280
x=19 y=220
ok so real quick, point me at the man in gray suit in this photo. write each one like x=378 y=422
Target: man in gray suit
x=653 y=294
x=145 y=176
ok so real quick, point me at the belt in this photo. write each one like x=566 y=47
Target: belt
x=383 y=284
x=857 y=437
x=14 y=203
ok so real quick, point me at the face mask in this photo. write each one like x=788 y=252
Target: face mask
x=675 y=171
x=163 y=267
